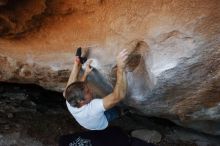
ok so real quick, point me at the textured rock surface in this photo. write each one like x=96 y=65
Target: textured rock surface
x=150 y=136
x=178 y=63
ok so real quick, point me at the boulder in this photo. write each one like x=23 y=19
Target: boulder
x=174 y=73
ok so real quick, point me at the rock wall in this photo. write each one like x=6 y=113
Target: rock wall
x=174 y=74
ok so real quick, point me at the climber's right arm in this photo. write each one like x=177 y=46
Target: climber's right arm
x=74 y=73
x=120 y=89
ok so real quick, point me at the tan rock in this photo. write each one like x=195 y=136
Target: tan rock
x=176 y=76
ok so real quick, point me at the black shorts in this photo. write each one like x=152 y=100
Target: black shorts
x=112 y=136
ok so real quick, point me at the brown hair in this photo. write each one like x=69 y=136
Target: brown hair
x=75 y=93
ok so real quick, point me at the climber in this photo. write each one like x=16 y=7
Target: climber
x=90 y=112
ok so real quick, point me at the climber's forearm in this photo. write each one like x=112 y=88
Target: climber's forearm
x=119 y=91
x=73 y=75
x=83 y=78
x=88 y=69
x=121 y=85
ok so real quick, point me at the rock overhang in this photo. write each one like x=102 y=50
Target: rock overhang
x=177 y=76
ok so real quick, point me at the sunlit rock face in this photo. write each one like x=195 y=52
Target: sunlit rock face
x=174 y=72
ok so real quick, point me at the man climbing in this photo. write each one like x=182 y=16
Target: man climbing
x=90 y=112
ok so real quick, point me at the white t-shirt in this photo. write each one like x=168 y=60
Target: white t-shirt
x=91 y=116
